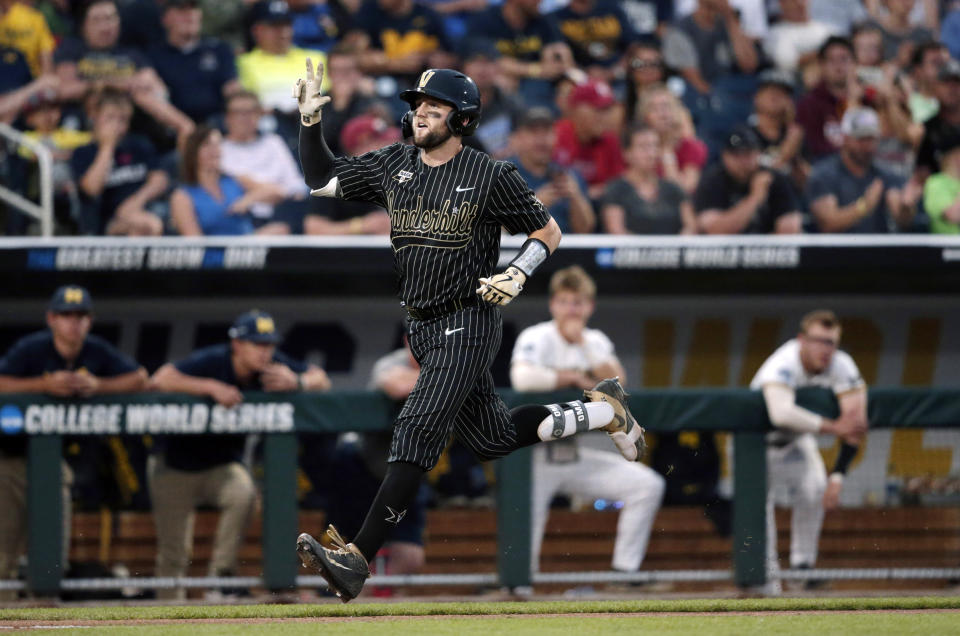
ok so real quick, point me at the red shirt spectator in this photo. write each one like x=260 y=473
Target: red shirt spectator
x=820 y=110
x=586 y=140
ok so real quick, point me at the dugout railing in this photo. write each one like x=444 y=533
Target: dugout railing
x=281 y=417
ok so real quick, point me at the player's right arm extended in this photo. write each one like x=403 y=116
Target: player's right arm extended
x=316 y=160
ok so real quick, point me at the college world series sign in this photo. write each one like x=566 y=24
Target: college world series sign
x=177 y=414
x=158 y=418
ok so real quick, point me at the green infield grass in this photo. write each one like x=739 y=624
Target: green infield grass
x=579 y=618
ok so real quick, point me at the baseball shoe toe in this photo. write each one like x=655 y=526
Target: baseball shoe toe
x=624 y=430
x=345 y=569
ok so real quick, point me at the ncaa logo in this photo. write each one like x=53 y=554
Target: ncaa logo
x=11 y=419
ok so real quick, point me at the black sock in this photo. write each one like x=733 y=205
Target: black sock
x=526 y=419
x=397 y=492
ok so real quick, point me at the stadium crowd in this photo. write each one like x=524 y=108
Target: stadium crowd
x=626 y=116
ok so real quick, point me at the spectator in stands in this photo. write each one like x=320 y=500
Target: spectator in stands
x=598 y=33
x=587 y=138
x=96 y=60
x=564 y=353
x=899 y=35
x=738 y=196
x=351 y=95
x=199 y=72
x=942 y=125
x=928 y=59
x=820 y=110
x=17 y=85
x=682 y=155
x=265 y=70
x=708 y=45
x=209 y=202
x=480 y=63
x=24 y=28
x=194 y=470
x=941 y=192
x=530 y=44
x=259 y=159
x=561 y=191
x=867 y=41
x=63 y=361
x=794 y=40
x=848 y=193
x=774 y=122
x=404 y=37
x=640 y=202
x=318 y=24
x=645 y=70
x=118 y=174
x=42 y=117
x=332 y=216
x=795 y=470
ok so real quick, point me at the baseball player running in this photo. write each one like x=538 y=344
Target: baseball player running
x=794 y=466
x=447 y=204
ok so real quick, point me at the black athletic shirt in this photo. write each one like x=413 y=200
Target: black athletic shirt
x=444 y=221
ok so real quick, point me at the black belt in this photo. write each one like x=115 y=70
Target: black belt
x=429 y=313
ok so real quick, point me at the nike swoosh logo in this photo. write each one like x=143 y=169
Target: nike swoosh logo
x=447 y=332
x=459 y=189
x=339 y=565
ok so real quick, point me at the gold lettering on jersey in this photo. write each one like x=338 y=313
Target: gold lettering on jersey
x=446 y=227
x=425 y=77
x=592 y=29
x=397 y=45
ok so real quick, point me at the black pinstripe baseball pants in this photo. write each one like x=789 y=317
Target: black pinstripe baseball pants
x=455 y=392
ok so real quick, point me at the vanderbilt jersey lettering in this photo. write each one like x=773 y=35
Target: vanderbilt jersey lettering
x=444 y=220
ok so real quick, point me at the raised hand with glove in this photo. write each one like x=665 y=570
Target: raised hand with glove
x=307 y=93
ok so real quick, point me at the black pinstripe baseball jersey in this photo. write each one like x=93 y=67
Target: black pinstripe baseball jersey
x=444 y=220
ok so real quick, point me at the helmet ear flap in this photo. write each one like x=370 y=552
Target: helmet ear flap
x=455 y=122
x=406 y=124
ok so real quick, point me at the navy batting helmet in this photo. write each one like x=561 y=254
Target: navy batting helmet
x=452 y=87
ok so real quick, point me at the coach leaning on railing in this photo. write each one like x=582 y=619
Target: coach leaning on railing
x=63 y=361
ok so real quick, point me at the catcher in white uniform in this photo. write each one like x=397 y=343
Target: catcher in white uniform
x=796 y=474
x=560 y=354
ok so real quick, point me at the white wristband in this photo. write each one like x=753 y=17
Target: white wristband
x=532 y=254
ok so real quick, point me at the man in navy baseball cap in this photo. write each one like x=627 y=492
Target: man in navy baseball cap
x=65 y=361
x=194 y=470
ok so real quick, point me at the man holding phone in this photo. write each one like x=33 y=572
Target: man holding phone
x=561 y=191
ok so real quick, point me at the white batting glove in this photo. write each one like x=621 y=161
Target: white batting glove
x=502 y=288
x=307 y=93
